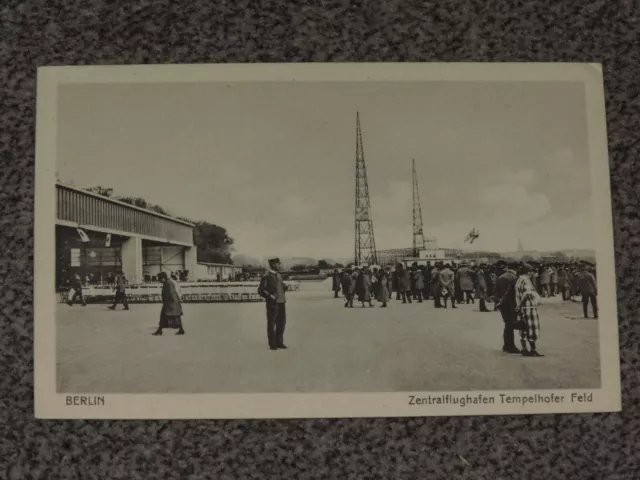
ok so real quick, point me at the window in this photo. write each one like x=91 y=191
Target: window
x=75 y=257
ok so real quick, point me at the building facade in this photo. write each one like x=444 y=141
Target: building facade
x=98 y=237
x=217 y=272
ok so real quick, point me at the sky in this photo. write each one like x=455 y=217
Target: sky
x=274 y=162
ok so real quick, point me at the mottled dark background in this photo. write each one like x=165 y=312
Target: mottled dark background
x=47 y=32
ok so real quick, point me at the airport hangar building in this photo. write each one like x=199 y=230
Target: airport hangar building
x=99 y=237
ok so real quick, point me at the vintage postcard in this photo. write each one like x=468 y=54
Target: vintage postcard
x=323 y=240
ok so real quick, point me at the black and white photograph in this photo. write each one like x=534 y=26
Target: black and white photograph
x=249 y=241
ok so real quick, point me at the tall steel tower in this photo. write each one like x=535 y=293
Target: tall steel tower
x=418 y=232
x=365 y=251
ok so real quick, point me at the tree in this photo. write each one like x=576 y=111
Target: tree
x=323 y=264
x=100 y=190
x=561 y=257
x=142 y=203
x=213 y=242
x=527 y=258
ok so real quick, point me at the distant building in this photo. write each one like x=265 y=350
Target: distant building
x=407 y=256
x=218 y=272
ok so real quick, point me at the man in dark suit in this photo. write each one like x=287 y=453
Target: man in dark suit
x=272 y=289
x=505 y=301
x=435 y=285
x=589 y=290
x=426 y=275
x=120 y=295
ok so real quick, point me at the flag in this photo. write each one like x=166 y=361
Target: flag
x=107 y=242
x=83 y=236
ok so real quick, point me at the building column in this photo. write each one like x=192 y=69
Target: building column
x=132 y=259
x=191 y=262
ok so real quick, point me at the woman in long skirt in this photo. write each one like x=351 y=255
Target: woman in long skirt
x=528 y=319
x=171 y=313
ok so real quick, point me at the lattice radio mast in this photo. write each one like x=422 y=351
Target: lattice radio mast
x=418 y=231
x=365 y=248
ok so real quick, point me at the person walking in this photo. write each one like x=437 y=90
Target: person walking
x=588 y=290
x=171 y=312
x=76 y=287
x=348 y=288
x=120 y=292
x=528 y=319
x=272 y=289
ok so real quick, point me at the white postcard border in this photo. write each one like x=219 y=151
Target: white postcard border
x=50 y=404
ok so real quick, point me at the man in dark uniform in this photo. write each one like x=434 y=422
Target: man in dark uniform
x=272 y=289
x=505 y=301
x=120 y=295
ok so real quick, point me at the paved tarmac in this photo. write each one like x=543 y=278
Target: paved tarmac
x=331 y=349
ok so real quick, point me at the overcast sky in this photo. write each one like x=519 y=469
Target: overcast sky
x=274 y=163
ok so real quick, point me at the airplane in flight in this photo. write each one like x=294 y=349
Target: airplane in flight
x=472 y=235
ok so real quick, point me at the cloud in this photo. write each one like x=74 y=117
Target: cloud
x=513 y=204
x=295 y=206
x=522 y=177
x=253 y=238
x=395 y=206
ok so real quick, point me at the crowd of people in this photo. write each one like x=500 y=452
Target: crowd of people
x=514 y=289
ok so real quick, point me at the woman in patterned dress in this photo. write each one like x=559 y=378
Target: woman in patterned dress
x=528 y=319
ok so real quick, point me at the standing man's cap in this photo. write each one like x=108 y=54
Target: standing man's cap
x=274 y=260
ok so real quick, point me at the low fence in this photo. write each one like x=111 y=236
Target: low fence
x=189 y=292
